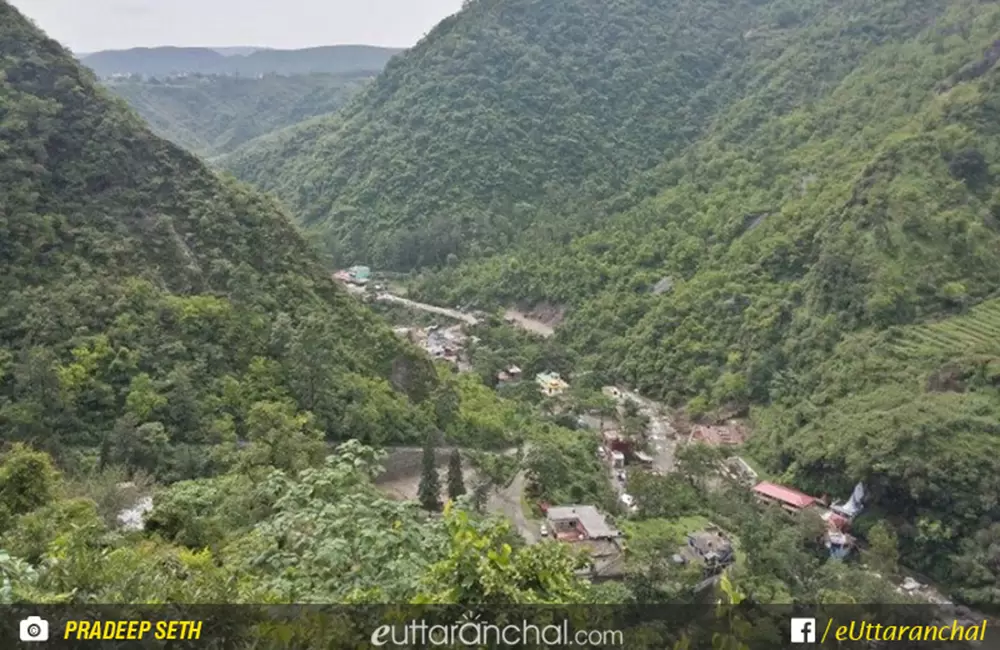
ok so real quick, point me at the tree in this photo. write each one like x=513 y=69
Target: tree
x=698 y=462
x=456 y=483
x=429 y=491
x=28 y=480
x=481 y=568
x=883 y=549
x=281 y=438
x=634 y=423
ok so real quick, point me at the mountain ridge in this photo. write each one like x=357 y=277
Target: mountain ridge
x=212 y=115
x=172 y=60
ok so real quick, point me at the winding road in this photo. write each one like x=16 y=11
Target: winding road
x=512 y=316
x=508 y=502
x=422 y=306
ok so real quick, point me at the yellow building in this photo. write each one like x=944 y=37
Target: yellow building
x=551 y=384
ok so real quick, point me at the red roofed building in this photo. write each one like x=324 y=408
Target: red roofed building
x=787 y=498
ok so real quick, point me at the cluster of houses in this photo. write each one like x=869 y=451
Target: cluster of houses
x=356 y=275
x=838 y=516
x=586 y=528
x=730 y=434
x=445 y=343
x=550 y=384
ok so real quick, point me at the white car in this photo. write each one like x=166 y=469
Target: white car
x=629 y=501
x=544 y=530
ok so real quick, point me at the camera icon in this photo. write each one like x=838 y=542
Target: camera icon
x=34 y=628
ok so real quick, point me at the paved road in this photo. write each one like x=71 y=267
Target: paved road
x=518 y=318
x=450 y=313
x=508 y=502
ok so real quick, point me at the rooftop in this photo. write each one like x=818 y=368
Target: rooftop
x=709 y=541
x=784 y=494
x=590 y=519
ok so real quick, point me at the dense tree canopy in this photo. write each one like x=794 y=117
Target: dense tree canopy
x=214 y=114
x=152 y=310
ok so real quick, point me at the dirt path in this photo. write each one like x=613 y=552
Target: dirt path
x=530 y=324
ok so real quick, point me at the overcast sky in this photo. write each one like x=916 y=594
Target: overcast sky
x=91 y=25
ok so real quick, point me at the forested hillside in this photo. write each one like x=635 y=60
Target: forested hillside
x=168 y=334
x=152 y=311
x=735 y=202
x=214 y=114
x=505 y=112
x=161 y=61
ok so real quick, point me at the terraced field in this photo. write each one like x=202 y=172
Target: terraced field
x=976 y=332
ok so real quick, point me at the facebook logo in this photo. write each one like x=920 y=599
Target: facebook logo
x=803 y=630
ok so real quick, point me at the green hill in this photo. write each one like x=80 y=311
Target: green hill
x=504 y=111
x=738 y=204
x=214 y=114
x=165 y=61
x=154 y=315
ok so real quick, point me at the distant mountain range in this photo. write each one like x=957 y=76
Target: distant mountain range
x=241 y=61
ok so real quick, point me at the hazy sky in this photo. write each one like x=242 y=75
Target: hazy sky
x=90 y=25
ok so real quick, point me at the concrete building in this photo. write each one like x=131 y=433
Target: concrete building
x=790 y=499
x=711 y=547
x=551 y=384
x=360 y=274
x=588 y=530
x=577 y=522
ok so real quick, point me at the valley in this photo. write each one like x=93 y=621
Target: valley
x=571 y=302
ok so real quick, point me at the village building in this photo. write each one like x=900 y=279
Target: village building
x=509 y=376
x=359 y=274
x=587 y=529
x=837 y=539
x=730 y=434
x=551 y=384
x=579 y=522
x=622 y=450
x=709 y=547
x=790 y=499
x=644 y=459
